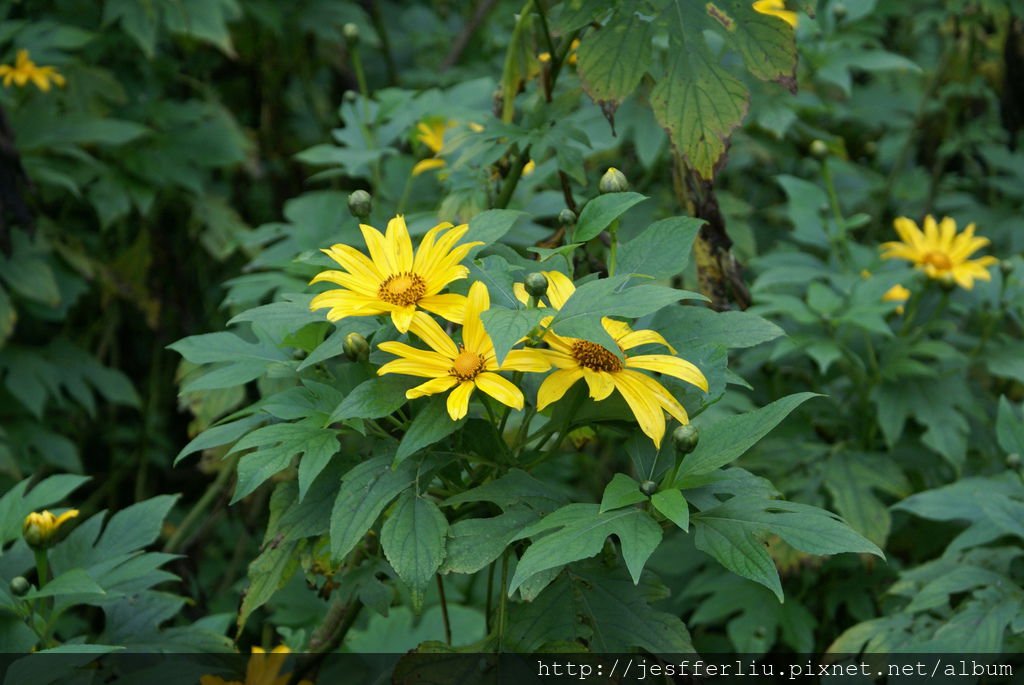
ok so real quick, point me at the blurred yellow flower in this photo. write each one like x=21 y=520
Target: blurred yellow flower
x=776 y=8
x=461 y=368
x=897 y=293
x=25 y=70
x=40 y=527
x=604 y=372
x=529 y=168
x=545 y=57
x=431 y=133
x=394 y=281
x=939 y=251
x=263 y=669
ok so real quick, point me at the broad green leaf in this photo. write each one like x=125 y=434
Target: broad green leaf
x=581 y=532
x=575 y=14
x=620 y=492
x=268 y=573
x=724 y=441
x=688 y=328
x=373 y=399
x=852 y=478
x=273 y=449
x=365 y=491
x=474 y=543
x=413 y=540
x=767 y=45
x=431 y=424
x=1009 y=429
x=662 y=250
x=72 y=582
x=672 y=506
x=697 y=100
x=600 y=212
x=219 y=435
x=733 y=533
x=508 y=326
x=613 y=59
x=490 y=226
x=515 y=487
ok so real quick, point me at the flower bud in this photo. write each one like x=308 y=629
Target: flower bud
x=360 y=204
x=351 y=33
x=648 y=487
x=839 y=11
x=613 y=181
x=686 y=438
x=536 y=284
x=1006 y=266
x=19 y=586
x=1013 y=461
x=356 y=348
x=567 y=217
x=819 y=149
x=40 y=527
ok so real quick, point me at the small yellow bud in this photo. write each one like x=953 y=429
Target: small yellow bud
x=40 y=528
x=613 y=181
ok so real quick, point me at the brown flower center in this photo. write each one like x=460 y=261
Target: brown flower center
x=940 y=260
x=594 y=357
x=467 y=365
x=402 y=289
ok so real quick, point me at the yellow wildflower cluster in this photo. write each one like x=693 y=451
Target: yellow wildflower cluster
x=392 y=280
x=263 y=669
x=25 y=70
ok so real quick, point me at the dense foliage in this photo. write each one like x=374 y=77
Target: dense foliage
x=644 y=317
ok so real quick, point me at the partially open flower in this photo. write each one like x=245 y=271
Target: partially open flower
x=40 y=527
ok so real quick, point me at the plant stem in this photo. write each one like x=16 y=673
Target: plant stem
x=199 y=508
x=444 y=610
x=613 y=233
x=503 y=600
x=490 y=593
x=514 y=174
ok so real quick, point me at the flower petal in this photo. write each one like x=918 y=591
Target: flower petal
x=556 y=385
x=643 y=337
x=458 y=400
x=432 y=387
x=474 y=337
x=450 y=306
x=355 y=262
x=347 y=280
x=560 y=288
x=402 y=317
x=428 y=330
x=428 y=164
x=600 y=383
x=671 y=366
x=380 y=253
x=398 y=240
x=525 y=360
x=644 y=405
x=500 y=389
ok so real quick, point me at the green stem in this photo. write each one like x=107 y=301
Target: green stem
x=199 y=508
x=613 y=232
x=42 y=567
x=514 y=174
x=503 y=601
x=444 y=610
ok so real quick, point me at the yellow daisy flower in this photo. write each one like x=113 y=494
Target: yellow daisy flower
x=262 y=669
x=431 y=133
x=25 y=70
x=40 y=527
x=604 y=372
x=394 y=281
x=939 y=251
x=461 y=368
x=897 y=293
x=776 y=8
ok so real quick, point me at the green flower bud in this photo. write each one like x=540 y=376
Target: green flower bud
x=356 y=348
x=350 y=96
x=870 y=148
x=567 y=217
x=19 y=586
x=351 y=32
x=613 y=181
x=1013 y=461
x=819 y=149
x=360 y=204
x=536 y=284
x=1006 y=266
x=686 y=438
x=648 y=487
x=839 y=10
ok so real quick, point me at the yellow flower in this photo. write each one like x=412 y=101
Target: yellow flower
x=25 y=70
x=776 y=8
x=604 y=372
x=394 y=281
x=573 y=47
x=939 y=251
x=461 y=368
x=263 y=669
x=529 y=168
x=431 y=133
x=40 y=527
x=897 y=293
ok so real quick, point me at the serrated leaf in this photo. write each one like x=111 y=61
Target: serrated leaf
x=72 y=582
x=672 y=506
x=600 y=212
x=508 y=326
x=581 y=532
x=274 y=447
x=724 y=441
x=662 y=250
x=431 y=424
x=413 y=539
x=612 y=60
x=620 y=492
x=373 y=399
x=219 y=435
x=474 y=543
x=491 y=226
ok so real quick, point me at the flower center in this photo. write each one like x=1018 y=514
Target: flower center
x=402 y=289
x=467 y=365
x=594 y=357
x=940 y=260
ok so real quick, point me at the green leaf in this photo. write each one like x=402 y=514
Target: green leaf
x=508 y=326
x=1009 y=429
x=365 y=491
x=733 y=533
x=475 y=543
x=724 y=441
x=72 y=582
x=268 y=573
x=672 y=505
x=600 y=212
x=491 y=226
x=662 y=250
x=688 y=328
x=274 y=447
x=613 y=59
x=767 y=45
x=217 y=436
x=576 y=14
x=413 y=539
x=515 y=487
x=581 y=532
x=373 y=399
x=852 y=478
x=621 y=492
x=431 y=424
